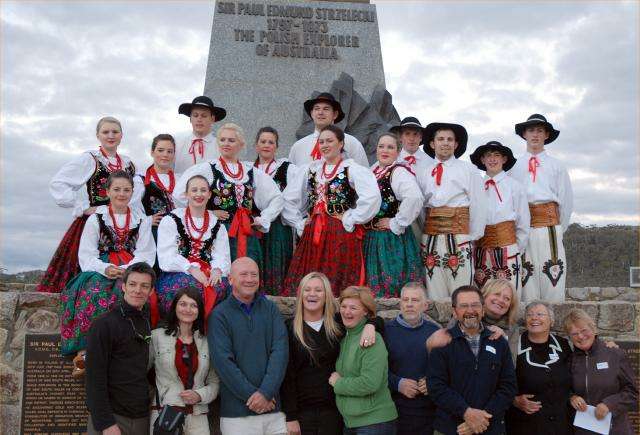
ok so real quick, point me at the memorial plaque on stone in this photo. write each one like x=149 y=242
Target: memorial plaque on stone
x=632 y=349
x=52 y=401
x=268 y=56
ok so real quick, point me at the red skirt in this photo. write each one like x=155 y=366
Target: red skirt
x=64 y=264
x=338 y=255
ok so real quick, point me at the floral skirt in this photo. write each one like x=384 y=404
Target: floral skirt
x=86 y=296
x=338 y=255
x=64 y=263
x=391 y=261
x=169 y=283
x=277 y=249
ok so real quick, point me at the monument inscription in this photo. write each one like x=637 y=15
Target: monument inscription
x=52 y=401
x=632 y=350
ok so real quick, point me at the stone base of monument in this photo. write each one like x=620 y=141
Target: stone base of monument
x=37 y=394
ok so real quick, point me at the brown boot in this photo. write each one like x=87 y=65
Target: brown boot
x=78 y=365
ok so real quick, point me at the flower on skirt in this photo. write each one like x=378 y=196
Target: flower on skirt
x=103 y=303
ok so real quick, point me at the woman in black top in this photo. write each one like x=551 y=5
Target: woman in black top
x=314 y=344
x=544 y=382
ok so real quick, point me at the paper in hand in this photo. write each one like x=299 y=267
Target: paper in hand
x=588 y=420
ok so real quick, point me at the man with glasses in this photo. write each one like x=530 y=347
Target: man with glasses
x=116 y=361
x=472 y=379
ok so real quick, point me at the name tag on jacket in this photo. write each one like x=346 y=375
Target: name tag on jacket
x=602 y=365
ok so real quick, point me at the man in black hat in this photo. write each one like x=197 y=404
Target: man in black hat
x=550 y=198
x=456 y=210
x=410 y=134
x=496 y=254
x=200 y=145
x=324 y=110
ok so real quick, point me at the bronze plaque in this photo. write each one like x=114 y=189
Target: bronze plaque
x=632 y=350
x=52 y=401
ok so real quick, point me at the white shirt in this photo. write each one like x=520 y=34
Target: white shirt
x=68 y=185
x=88 y=255
x=291 y=169
x=461 y=186
x=360 y=178
x=422 y=159
x=552 y=183
x=511 y=205
x=406 y=189
x=266 y=196
x=184 y=160
x=170 y=260
x=300 y=152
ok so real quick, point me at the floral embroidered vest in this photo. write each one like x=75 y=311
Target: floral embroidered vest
x=156 y=199
x=97 y=184
x=280 y=177
x=184 y=241
x=339 y=194
x=223 y=193
x=390 y=203
x=107 y=242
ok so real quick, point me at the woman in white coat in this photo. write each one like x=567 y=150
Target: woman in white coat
x=180 y=355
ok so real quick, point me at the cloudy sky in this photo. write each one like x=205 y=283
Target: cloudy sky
x=486 y=65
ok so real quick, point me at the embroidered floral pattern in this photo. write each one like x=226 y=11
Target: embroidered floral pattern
x=225 y=194
x=527 y=271
x=107 y=240
x=339 y=194
x=184 y=241
x=430 y=261
x=97 y=184
x=454 y=260
x=553 y=270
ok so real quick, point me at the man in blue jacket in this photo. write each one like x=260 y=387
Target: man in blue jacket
x=249 y=351
x=405 y=337
x=472 y=379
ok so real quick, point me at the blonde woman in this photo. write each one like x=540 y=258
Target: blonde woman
x=314 y=338
x=610 y=387
x=244 y=199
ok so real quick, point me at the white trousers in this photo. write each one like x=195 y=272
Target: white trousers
x=193 y=424
x=265 y=424
x=448 y=263
x=544 y=263
x=497 y=263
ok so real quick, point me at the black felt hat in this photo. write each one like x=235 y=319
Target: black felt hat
x=408 y=122
x=325 y=97
x=430 y=132
x=476 y=156
x=537 y=119
x=218 y=112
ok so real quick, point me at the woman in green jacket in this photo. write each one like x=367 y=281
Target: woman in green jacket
x=360 y=379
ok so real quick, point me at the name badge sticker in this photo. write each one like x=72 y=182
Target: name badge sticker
x=553 y=356
x=490 y=349
x=602 y=365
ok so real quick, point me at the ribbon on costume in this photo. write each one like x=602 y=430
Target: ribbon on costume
x=410 y=159
x=319 y=213
x=119 y=258
x=240 y=229
x=437 y=172
x=154 y=308
x=209 y=294
x=489 y=183
x=315 y=152
x=533 y=165
x=360 y=233
x=192 y=149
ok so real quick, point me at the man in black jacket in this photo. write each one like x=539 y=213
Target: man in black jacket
x=472 y=379
x=117 y=358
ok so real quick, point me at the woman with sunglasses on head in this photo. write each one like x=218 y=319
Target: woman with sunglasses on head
x=193 y=249
x=315 y=332
x=328 y=202
x=114 y=237
x=180 y=354
x=90 y=170
x=277 y=244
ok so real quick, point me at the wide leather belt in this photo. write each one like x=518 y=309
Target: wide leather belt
x=447 y=220
x=544 y=215
x=499 y=235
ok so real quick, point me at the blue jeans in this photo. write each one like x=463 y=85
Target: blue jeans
x=386 y=428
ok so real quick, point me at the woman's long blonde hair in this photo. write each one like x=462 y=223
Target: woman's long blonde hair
x=331 y=328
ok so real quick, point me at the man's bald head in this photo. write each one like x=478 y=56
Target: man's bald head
x=244 y=278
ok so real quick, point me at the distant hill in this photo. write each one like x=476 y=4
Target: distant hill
x=596 y=257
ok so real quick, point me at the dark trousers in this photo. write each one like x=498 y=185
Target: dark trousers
x=320 y=421
x=409 y=424
x=386 y=428
x=127 y=425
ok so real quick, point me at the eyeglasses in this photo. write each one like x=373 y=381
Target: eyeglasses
x=583 y=332
x=536 y=315
x=138 y=335
x=474 y=306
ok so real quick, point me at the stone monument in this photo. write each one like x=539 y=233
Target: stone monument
x=267 y=56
